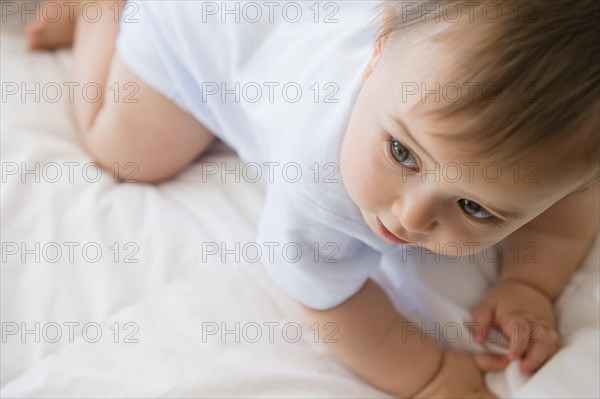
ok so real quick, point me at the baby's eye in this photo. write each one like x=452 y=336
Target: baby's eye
x=474 y=209
x=403 y=154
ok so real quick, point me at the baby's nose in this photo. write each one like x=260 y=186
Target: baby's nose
x=417 y=216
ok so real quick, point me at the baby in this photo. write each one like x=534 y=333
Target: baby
x=467 y=123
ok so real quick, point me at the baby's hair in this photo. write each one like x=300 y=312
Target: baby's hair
x=537 y=69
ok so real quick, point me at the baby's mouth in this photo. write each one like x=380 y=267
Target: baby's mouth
x=388 y=235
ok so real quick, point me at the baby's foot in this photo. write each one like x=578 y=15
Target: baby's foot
x=54 y=25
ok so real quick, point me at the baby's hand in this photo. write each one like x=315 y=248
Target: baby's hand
x=461 y=376
x=526 y=316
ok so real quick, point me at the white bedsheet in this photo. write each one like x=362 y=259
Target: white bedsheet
x=170 y=296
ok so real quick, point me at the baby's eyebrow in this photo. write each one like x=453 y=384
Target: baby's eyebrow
x=406 y=130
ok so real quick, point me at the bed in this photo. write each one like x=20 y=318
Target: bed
x=127 y=290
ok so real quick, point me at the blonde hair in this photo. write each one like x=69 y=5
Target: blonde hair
x=546 y=51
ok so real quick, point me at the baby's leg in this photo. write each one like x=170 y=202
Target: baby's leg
x=146 y=137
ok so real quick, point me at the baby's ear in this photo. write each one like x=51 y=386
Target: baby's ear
x=379 y=45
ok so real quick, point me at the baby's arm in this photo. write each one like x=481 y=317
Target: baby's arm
x=371 y=342
x=561 y=237
x=537 y=262
x=375 y=341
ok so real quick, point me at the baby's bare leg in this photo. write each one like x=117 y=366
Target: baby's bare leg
x=139 y=134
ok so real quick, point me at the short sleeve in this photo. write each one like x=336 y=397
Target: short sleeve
x=313 y=261
x=155 y=46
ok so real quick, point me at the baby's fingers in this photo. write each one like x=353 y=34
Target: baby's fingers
x=521 y=334
x=483 y=317
x=490 y=362
x=545 y=345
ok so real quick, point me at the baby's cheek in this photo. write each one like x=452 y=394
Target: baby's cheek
x=364 y=182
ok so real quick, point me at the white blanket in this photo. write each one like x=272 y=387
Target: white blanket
x=157 y=296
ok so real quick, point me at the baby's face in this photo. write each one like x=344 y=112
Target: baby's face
x=424 y=189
